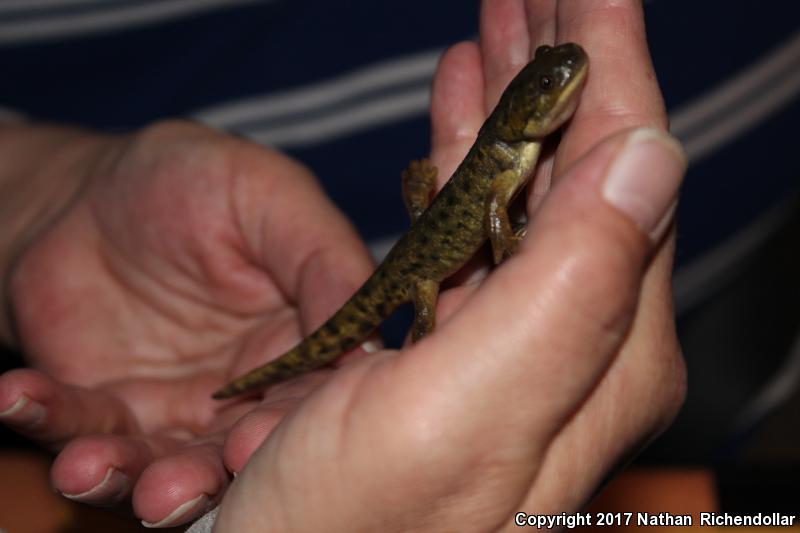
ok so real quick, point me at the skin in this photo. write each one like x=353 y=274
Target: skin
x=445 y=235
x=132 y=391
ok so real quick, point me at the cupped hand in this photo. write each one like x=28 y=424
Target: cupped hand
x=187 y=258
x=539 y=380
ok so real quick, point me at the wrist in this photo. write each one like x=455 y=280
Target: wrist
x=43 y=169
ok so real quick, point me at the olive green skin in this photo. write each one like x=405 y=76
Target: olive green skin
x=470 y=208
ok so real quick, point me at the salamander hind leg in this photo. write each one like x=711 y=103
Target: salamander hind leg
x=425 y=294
x=519 y=230
x=419 y=184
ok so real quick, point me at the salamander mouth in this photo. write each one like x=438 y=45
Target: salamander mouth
x=568 y=99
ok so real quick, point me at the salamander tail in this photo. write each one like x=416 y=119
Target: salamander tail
x=347 y=328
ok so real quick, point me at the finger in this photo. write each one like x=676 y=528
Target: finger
x=252 y=428
x=52 y=413
x=181 y=404
x=182 y=486
x=457 y=112
x=102 y=469
x=505 y=45
x=541 y=18
x=248 y=434
x=622 y=90
x=297 y=234
x=456 y=107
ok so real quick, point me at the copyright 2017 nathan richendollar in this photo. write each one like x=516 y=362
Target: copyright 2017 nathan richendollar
x=569 y=521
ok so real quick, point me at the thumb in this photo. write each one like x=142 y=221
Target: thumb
x=544 y=327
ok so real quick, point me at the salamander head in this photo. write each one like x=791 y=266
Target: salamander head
x=543 y=95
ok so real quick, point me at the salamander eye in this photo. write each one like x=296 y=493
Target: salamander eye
x=546 y=82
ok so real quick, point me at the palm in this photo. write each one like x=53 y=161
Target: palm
x=171 y=281
x=185 y=261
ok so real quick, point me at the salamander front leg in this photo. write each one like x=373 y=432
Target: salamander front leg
x=503 y=238
x=425 y=294
x=419 y=184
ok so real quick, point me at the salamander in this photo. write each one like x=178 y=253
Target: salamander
x=448 y=230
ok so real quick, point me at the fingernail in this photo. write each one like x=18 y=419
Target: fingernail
x=24 y=413
x=112 y=489
x=182 y=513
x=644 y=179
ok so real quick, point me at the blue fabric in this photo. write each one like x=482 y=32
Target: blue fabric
x=696 y=46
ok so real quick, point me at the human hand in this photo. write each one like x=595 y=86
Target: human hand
x=540 y=380
x=186 y=258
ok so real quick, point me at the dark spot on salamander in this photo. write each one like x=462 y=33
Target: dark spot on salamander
x=444 y=215
x=451 y=200
x=380 y=308
x=350 y=319
x=348 y=341
x=361 y=307
x=365 y=327
x=435 y=258
x=424 y=239
x=332 y=328
x=394 y=287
